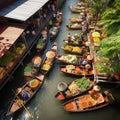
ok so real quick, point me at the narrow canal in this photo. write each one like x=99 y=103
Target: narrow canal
x=44 y=106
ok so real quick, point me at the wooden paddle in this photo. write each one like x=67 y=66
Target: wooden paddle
x=28 y=112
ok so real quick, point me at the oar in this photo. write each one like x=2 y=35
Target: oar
x=28 y=112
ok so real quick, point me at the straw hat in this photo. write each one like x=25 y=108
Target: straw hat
x=44 y=32
x=97 y=88
x=88 y=66
x=90 y=57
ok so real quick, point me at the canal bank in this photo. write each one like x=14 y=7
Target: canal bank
x=44 y=106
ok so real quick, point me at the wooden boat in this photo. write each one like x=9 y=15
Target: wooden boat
x=76 y=41
x=74 y=59
x=75 y=49
x=25 y=93
x=82 y=4
x=87 y=102
x=75 y=88
x=74 y=26
x=74 y=10
x=75 y=20
x=54 y=32
x=69 y=59
x=76 y=70
x=49 y=59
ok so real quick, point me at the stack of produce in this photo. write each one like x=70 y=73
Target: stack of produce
x=70 y=58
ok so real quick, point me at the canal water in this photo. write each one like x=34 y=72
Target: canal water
x=44 y=106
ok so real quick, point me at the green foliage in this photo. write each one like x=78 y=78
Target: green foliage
x=98 y=6
x=110 y=18
x=109 y=54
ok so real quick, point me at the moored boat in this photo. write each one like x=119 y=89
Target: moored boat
x=75 y=42
x=69 y=59
x=87 y=102
x=75 y=49
x=25 y=93
x=74 y=59
x=74 y=26
x=76 y=20
x=75 y=88
x=76 y=70
x=49 y=59
x=74 y=10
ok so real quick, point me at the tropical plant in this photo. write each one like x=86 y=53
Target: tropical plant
x=110 y=18
x=110 y=51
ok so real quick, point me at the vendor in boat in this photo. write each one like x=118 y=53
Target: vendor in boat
x=68 y=37
x=83 y=62
x=95 y=89
x=25 y=95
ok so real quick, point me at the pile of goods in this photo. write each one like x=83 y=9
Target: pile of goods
x=46 y=66
x=34 y=83
x=70 y=58
x=40 y=43
x=75 y=49
x=80 y=85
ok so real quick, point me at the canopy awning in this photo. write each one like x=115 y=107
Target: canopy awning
x=22 y=9
x=8 y=35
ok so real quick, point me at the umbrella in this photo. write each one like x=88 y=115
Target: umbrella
x=95 y=34
x=50 y=54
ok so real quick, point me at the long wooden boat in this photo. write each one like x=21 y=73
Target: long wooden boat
x=75 y=59
x=25 y=93
x=48 y=62
x=75 y=20
x=73 y=9
x=75 y=42
x=82 y=4
x=75 y=49
x=75 y=88
x=88 y=102
x=69 y=59
x=76 y=70
x=74 y=26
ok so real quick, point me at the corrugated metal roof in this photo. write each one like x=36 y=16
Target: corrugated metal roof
x=22 y=9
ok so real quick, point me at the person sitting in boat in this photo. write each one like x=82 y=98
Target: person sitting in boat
x=69 y=36
x=83 y=62
x=25 y=95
